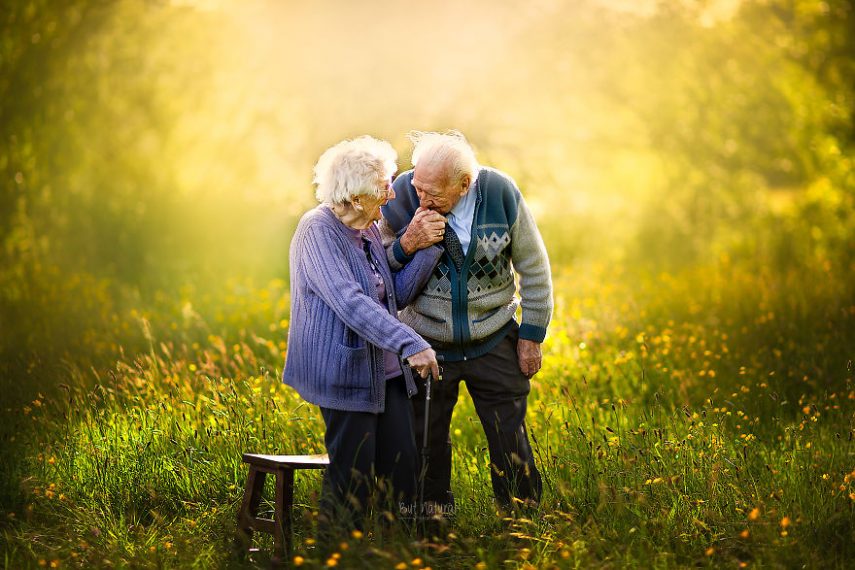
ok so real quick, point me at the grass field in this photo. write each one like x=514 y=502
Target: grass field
x=690 y=167
x=700 y=418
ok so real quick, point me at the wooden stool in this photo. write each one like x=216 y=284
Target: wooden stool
x=283 y=467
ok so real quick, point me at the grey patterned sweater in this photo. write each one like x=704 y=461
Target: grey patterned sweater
x=465 y=313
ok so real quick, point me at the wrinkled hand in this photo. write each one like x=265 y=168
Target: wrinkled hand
x=529 y=355
x=426 y=228
x=424 y=362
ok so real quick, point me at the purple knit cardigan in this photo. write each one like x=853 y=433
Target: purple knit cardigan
x=338 y=331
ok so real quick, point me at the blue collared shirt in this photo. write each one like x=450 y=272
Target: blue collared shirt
x=461 y=215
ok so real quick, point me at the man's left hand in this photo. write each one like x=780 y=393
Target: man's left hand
x=529 y=355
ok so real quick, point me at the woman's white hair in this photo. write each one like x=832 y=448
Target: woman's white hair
x=450 y=147
x=352 y=168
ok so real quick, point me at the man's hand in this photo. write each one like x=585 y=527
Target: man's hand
x=426 y=228
x=424 y=362
x=529 y=355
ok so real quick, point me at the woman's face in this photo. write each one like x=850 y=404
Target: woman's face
x=371 y=205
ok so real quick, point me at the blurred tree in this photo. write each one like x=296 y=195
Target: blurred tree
x=89 y=96
x=92 y=94
x=746 y=114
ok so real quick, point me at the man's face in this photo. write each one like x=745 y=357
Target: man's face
x=435 y=190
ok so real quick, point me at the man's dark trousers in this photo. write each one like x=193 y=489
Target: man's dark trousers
x=499 y=391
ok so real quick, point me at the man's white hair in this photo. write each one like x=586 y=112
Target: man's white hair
x=451 y=148
x=352 y=168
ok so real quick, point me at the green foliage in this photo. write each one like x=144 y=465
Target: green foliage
x=147 y=144
x=689 y=163
x=747 y=116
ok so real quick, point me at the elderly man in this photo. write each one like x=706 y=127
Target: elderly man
x=466 y=310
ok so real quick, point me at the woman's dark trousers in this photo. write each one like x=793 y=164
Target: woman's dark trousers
x=372 y=459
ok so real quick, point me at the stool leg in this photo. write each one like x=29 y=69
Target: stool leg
x=282 y=543
x=249 y=508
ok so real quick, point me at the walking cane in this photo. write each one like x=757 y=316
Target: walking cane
x=420 y=505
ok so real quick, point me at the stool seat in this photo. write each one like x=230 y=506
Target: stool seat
x=319 y=461
x=282 y=467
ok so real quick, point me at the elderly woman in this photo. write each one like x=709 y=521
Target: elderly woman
x=346 y=346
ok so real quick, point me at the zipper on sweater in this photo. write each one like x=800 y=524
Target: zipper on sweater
x=463 y=284
x=459 y=308
x=459 y=314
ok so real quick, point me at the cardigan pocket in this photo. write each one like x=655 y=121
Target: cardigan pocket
x=489 y=314
x=433 y=318
x=352 y=371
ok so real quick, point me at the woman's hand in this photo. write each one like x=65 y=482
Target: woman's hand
x=424 y=362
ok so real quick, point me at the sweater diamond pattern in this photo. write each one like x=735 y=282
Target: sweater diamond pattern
x=489 y=271
x=490 y=246
x=487 y=274
x=440 y=281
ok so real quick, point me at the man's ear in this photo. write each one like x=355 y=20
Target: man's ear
x=465 y=181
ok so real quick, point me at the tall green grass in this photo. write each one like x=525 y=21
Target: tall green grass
x=701 y=418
